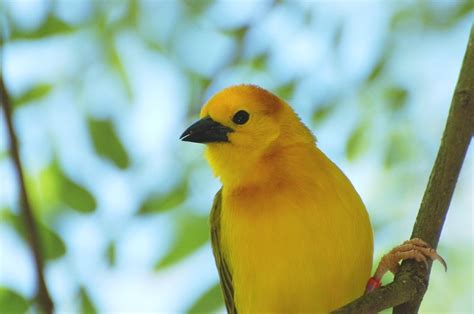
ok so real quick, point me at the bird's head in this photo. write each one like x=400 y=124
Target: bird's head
x=242 y=124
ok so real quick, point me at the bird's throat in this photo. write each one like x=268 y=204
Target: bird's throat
x=254 y=170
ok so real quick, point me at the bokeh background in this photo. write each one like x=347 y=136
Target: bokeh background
x=103 y=89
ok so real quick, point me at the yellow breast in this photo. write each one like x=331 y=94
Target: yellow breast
x=298 y=245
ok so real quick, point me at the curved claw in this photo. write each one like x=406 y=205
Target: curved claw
x=442 y=261
x=431 y=253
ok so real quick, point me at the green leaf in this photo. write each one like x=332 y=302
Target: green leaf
x=286 y=91
x=36 y=93
x=238 y=33
x=52 y=245
x=322 y=112
x=399 y=149
x=12 y=302
x=75 y=196
x=161 y=203
x=259 y=62
x=43 y=189
x=4 y=154
x=132 y=13
x=87 y=307
x=51 y=189
x=196 y=8
x=465 y=8
x=198 y=84
x=106 y=142
x=117 y=64
x=111 y=253
x=192 y=233
x=108 y=34
x=14 y=221
x=357 y=142
x=396 y=98
x=51 y=27
x=377 y=70
x=402 y=17
x=210 y=301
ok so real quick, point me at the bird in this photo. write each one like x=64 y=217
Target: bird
x=289 y=231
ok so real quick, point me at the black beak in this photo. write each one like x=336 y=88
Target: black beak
x=206 y=130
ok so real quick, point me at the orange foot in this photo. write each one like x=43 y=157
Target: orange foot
x=416 y=249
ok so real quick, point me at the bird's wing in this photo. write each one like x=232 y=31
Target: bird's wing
x=222 y=267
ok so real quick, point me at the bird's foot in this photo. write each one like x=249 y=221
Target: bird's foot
x=416 y=249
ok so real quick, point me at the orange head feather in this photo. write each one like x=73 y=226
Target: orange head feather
x=257 y=124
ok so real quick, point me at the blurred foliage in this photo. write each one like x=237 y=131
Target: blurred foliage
x=396 y=98
x=322 y=112
x=196 y=8
x=210 y=301
x=431 y=16
x=106 y=142
x=286 y=91
x=192 y=233
x=399 y=150
x=12 y=302
x=33 y=94
x=87 y=307
x=74 y=195
x=114 y=42
x=379 y=67
x=52 y=26
x=167 y=201
x=52 y=189
x=52 y=245
x=358 y=141
x=111 y=253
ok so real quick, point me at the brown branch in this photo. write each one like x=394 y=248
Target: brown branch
x=43 y=298
x=406 y=292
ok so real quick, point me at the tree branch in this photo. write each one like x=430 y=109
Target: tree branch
x=43 y=298
x=406 y=292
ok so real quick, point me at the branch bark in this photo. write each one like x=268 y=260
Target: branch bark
x=42 y=294
x=406 y=292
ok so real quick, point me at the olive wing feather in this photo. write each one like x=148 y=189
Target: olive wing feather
x=222 y=266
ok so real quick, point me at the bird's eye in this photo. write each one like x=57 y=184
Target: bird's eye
x=241 y=117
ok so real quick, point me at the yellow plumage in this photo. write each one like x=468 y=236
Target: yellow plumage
x=290 y=233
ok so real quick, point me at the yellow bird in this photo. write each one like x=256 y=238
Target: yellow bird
x=289 y=231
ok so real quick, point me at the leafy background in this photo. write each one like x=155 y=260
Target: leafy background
x=103 y=89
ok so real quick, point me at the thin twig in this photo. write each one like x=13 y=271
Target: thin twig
x=411 y=283
x=43 y=297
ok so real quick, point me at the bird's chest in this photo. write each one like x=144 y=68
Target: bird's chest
x=273 y=247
